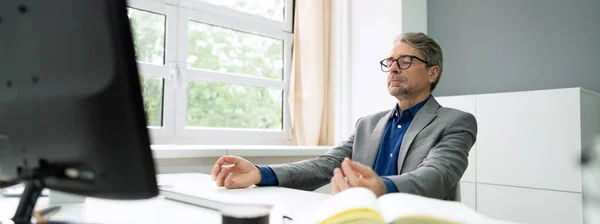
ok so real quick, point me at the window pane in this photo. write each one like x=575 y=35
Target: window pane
x=222 y=105
x=272 y=9
x=225 y=50
x=148 y=31
x=152 y=90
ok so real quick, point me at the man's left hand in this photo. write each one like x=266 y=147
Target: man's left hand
x=358 y=175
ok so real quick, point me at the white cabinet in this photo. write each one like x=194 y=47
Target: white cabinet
x=525 y=164
x=530 y=139
x=468 y=194
x=531 y=206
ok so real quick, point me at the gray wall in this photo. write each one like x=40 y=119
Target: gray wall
x=513 y=45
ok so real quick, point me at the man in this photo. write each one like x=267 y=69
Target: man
x=417 y=147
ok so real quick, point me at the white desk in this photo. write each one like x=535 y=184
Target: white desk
x=160 y=210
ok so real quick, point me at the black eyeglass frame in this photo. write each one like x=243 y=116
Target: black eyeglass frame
x=386 y=68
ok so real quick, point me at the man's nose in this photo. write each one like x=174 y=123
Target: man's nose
x=394 y=69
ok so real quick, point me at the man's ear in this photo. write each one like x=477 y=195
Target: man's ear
x=434 y=73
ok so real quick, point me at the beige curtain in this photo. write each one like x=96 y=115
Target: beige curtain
x=310 y=97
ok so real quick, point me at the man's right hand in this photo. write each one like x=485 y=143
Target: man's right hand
x=240 y=174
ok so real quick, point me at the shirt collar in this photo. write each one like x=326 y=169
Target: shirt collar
x=411 y=112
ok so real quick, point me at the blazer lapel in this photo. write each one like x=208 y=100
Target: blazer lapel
x=375 y=140
x=425 y=115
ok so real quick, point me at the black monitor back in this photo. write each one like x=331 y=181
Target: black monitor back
x=70 y=94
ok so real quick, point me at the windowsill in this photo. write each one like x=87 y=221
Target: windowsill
x=204 y=151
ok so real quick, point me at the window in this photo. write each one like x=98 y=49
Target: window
x=214 y=71
x=272 y=9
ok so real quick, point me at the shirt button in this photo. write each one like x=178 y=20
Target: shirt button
x=391 y=154
x=399 y=126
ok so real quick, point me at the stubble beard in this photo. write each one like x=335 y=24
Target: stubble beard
x=398 y=91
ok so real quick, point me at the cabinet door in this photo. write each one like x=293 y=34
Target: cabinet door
x=466 y=104
x=530 y=139
x=530 y=206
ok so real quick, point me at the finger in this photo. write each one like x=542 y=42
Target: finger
x=230 y=182
x=215 y=170
x=334 y=187
x=217 y=167
x=363 y=170
x=233 y=159
x=339 y=179
x=349 y=173
x=222 y=175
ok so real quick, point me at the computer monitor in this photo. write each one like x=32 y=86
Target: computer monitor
x=71 y=110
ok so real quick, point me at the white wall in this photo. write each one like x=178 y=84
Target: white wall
x=373 y=25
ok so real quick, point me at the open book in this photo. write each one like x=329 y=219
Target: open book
x=360 y=205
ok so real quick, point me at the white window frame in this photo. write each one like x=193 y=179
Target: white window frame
x=176 y=75
x=165 y=71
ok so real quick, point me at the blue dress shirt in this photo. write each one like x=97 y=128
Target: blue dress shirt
x=386 y=163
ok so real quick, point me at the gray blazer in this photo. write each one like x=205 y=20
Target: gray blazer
x=433 y=154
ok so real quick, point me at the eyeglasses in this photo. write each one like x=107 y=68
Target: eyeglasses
x=403 y=62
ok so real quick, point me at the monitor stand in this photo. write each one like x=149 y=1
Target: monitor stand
x=33 y=189
x=34 y=185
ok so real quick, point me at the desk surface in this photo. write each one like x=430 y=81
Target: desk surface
x=288 y=201
x=160 y=210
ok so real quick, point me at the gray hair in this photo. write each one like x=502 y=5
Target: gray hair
x=428 y=48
